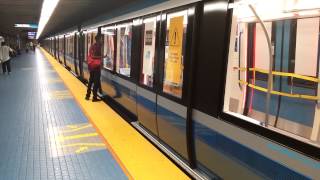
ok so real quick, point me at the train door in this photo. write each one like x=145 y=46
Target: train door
x=88 y=43
x=67 y=51
x=124 y=81
x=175 y=48
x=76 y=53
x=146 y=90
x=55 y=48
x=81 y=53
x=59 y=50
x=109 y=49
x=64 y=51
x=71 y=53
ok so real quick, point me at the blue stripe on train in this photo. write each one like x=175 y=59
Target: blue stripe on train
x=146 y=103
x=245 y=156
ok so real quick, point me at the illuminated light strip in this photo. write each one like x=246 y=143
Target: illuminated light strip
x=299 y=96
x=48 y=7
x=33 y=26
x=307 y=78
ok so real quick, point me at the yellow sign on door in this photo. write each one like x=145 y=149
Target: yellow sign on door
x=174 y=62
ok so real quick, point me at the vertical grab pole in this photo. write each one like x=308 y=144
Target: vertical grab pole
x=270 y=78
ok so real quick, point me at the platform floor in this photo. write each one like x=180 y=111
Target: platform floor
x=43 y=132
x=48 y=130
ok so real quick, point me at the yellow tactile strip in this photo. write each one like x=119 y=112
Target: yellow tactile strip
x=137 y=157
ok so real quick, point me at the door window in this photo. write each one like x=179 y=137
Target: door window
x=149 y=51
x=109 y=47
x=124 y=42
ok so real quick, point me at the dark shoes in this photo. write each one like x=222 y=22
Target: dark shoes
x=96 y=100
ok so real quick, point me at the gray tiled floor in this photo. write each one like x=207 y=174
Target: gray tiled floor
x=39 y=120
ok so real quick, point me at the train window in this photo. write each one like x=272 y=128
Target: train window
x=294 y=106
x=124 y=40
x=85 y=46
x=61 y=47
x=174 y=53
x=76 y=53
x=69 y=49
x=93 y=36
x=149 y=47
x=90 y=36
x=108 y=47
x=89 y=42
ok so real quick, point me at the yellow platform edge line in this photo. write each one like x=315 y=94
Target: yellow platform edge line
x=140 y=167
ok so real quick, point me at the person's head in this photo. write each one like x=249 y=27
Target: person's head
x=98 y=38
x=3 y=43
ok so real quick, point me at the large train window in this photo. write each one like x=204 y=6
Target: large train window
x=149 y=49
x=90 y=39
x=93 y=36
x=124 y=40
x=85 y=45
x=108 y=47
x=293 y=30
x=61 y=46
x=174 y=53
x=76 y=53
x=69 y=45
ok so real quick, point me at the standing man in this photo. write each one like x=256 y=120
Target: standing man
x=5 y=57
x=94 y=65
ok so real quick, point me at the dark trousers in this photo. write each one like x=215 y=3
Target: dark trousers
x=95 y=81
x=6 y=66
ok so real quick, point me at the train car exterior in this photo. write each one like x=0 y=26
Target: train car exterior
x=193 y=75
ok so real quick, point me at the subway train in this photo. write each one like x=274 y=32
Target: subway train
x=194 y=78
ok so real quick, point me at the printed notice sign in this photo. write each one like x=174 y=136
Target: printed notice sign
x=174 y=60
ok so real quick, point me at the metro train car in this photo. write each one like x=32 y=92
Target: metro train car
x=194 y=77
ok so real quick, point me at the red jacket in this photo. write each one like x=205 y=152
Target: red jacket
x=94 y=57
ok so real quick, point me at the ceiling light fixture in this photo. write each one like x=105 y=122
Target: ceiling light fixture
x=48 y=7
x=32 y=26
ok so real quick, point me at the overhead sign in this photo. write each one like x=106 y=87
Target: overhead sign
x=31 y=35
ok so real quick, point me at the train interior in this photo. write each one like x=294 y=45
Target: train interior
x=294 y=35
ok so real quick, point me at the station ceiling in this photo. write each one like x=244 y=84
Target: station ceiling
x=68 y=13
x=18 y=11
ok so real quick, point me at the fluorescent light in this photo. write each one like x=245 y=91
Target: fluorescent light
x=48 y=7
x=33 y=26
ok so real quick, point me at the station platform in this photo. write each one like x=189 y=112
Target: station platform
x=49 y=131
